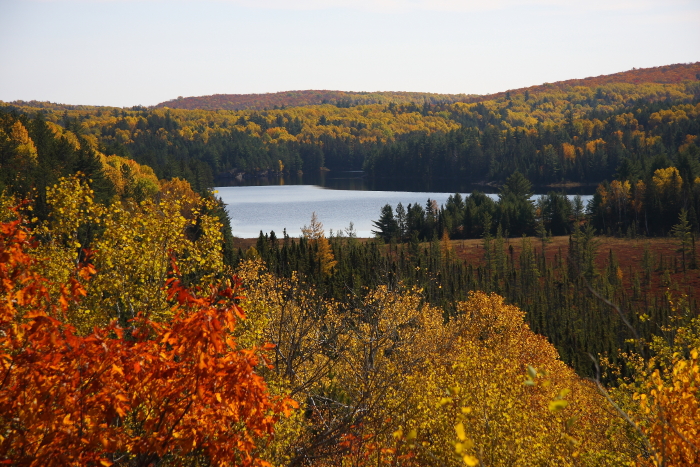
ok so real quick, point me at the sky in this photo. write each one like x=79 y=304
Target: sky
x=130 y=52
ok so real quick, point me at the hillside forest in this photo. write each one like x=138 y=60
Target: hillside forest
x=136 y=331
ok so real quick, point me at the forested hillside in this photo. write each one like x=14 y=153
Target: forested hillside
x=304 y=98
x=669 y=74
x=134 y=333
x=584 y=131
x=637 y=131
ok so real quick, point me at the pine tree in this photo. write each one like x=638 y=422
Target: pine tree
x=401 y=222
x=387 y=227
x=682 y=231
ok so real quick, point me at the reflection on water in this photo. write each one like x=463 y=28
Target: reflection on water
x=279 y=207
x=356 y=181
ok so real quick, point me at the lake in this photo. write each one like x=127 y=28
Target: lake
x=276 y=207
x=356 y=180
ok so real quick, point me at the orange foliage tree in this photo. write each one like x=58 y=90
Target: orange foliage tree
x=670 y=408
x=162 y=392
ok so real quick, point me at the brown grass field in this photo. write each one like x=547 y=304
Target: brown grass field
x=629 y=253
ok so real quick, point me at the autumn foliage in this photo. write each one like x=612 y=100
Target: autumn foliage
x=123 y=339
x=383 y=378
x=581 y=130
x=302 y=98
x=670 y=410
x=159 y=392
x=663 y=74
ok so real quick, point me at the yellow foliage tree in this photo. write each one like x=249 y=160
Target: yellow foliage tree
x=131 y=179
x=132 y=246
x=569 y=151
x=662 y=401
x=471 y=405
x=392 y=383
x=594 y=145
x=26 y=148
x=620 y=195
x=23 y=156
x=346 y=361
x=668 y=181
x=324 y=254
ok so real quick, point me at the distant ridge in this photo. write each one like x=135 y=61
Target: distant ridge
x=305 y=98
x=667 y=74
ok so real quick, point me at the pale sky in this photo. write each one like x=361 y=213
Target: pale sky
x=131 y=52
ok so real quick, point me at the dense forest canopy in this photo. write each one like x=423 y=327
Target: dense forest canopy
x=619 y=129
x=304 y=98
x=574 y=131
x=134 y=332
x=669 y=74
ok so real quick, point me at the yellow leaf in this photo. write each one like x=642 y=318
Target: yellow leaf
x=557 y=405
x=461 y=434
x=471 y=461
x=532 y=372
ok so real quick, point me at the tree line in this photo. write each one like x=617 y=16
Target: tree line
x=627 y=144
x=551 y=288
x=582 y=133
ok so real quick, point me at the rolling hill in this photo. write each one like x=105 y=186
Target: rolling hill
x=669 y=74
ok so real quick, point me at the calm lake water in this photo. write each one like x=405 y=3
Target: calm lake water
x=276 y=207
x=356 y=180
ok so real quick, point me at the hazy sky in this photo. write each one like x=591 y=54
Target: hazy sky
x=129 y=52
